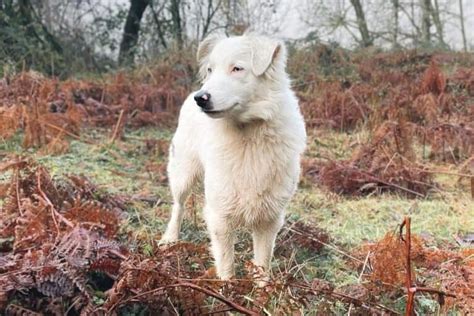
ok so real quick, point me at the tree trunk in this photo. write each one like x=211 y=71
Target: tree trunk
x=396 y=9
x=47 y=14
x=177 y=29
x=463 y=29
x=159 y=23
x=362 y=24
x=426 y=21
x=131 y=31
x=437 y=22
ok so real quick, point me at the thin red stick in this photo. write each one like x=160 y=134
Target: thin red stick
x=409 y=281
x=411 y=287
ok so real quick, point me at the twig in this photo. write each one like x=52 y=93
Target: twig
x=351 y=95
x=54 y=213
x=117 y=127
x=325 y=244
x=193 y=286
x=218 y=296
x=16 y=164
x=430 y=290
x=435 y=171
x=373 y=178
x=391 y=184
x=462 y=175
x=68 y=133
x=223 y=311
x=116 y=253
x=360 y=278
x=342 y=296
x=17 y=188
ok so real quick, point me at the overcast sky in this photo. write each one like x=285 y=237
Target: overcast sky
x=291 y=14
x=294 y=12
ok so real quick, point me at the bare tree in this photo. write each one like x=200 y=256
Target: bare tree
x=131 y=31
x=396 y=9
x=156 y=14
x=211 y=10
x=263 y=16
x=367 y=39
x=206 y=16
x=416 y=31
x=435 y=13
x=463 y=29
x=176 y=25
x=426 y=21
x=233 y=12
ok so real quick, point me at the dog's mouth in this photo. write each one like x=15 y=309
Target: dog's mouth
x=210 y=112
x=217 y=114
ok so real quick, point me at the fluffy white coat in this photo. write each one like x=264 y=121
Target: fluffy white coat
x=246 y=148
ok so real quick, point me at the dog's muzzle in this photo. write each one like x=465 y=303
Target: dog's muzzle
x=203 y=100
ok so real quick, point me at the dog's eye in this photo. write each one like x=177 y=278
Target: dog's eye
x=237 y=69
x=209 y=70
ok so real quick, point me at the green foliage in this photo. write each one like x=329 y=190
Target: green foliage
x=26 y=44
x=61 y=51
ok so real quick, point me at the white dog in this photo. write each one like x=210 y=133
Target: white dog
x=243 y=133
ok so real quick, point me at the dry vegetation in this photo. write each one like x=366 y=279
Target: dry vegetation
x=404 y=100
x=65 y=247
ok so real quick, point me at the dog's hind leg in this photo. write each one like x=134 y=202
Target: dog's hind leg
x=183 y=171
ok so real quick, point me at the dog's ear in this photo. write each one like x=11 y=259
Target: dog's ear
x=265 y=52
x=206 y=46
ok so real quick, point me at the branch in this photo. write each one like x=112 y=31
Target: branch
x=193 y=286
x=218 y=296
x=54 y=212
x=348 y=298
x=325 y=244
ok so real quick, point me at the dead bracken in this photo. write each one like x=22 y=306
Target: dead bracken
x=63 y=250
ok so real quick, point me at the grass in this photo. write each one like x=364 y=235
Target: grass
x=352 y=221
x=123 y=168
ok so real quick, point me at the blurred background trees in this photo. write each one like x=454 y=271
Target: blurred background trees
x=64 y=37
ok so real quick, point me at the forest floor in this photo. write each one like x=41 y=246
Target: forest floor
x=84 y=196
x=134 y=167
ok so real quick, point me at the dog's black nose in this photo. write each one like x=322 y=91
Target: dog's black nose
x=203 y=99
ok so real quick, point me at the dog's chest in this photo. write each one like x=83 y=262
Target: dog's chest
x=251 y=176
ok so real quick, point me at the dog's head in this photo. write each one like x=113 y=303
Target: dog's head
x=238 y=73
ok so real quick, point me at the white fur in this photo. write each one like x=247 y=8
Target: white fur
x=248 y=155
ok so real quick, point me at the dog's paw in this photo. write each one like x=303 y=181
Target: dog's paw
x=163 y=242
x=263 y=281
x=226 y=277
x=260 y=275
x=167 y=240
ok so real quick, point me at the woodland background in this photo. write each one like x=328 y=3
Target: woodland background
x=383 y=220
x=65 y=37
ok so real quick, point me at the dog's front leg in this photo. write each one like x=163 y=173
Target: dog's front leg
x=222 y=244
x=264 y=237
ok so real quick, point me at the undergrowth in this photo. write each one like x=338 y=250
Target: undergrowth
x=83 y=194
